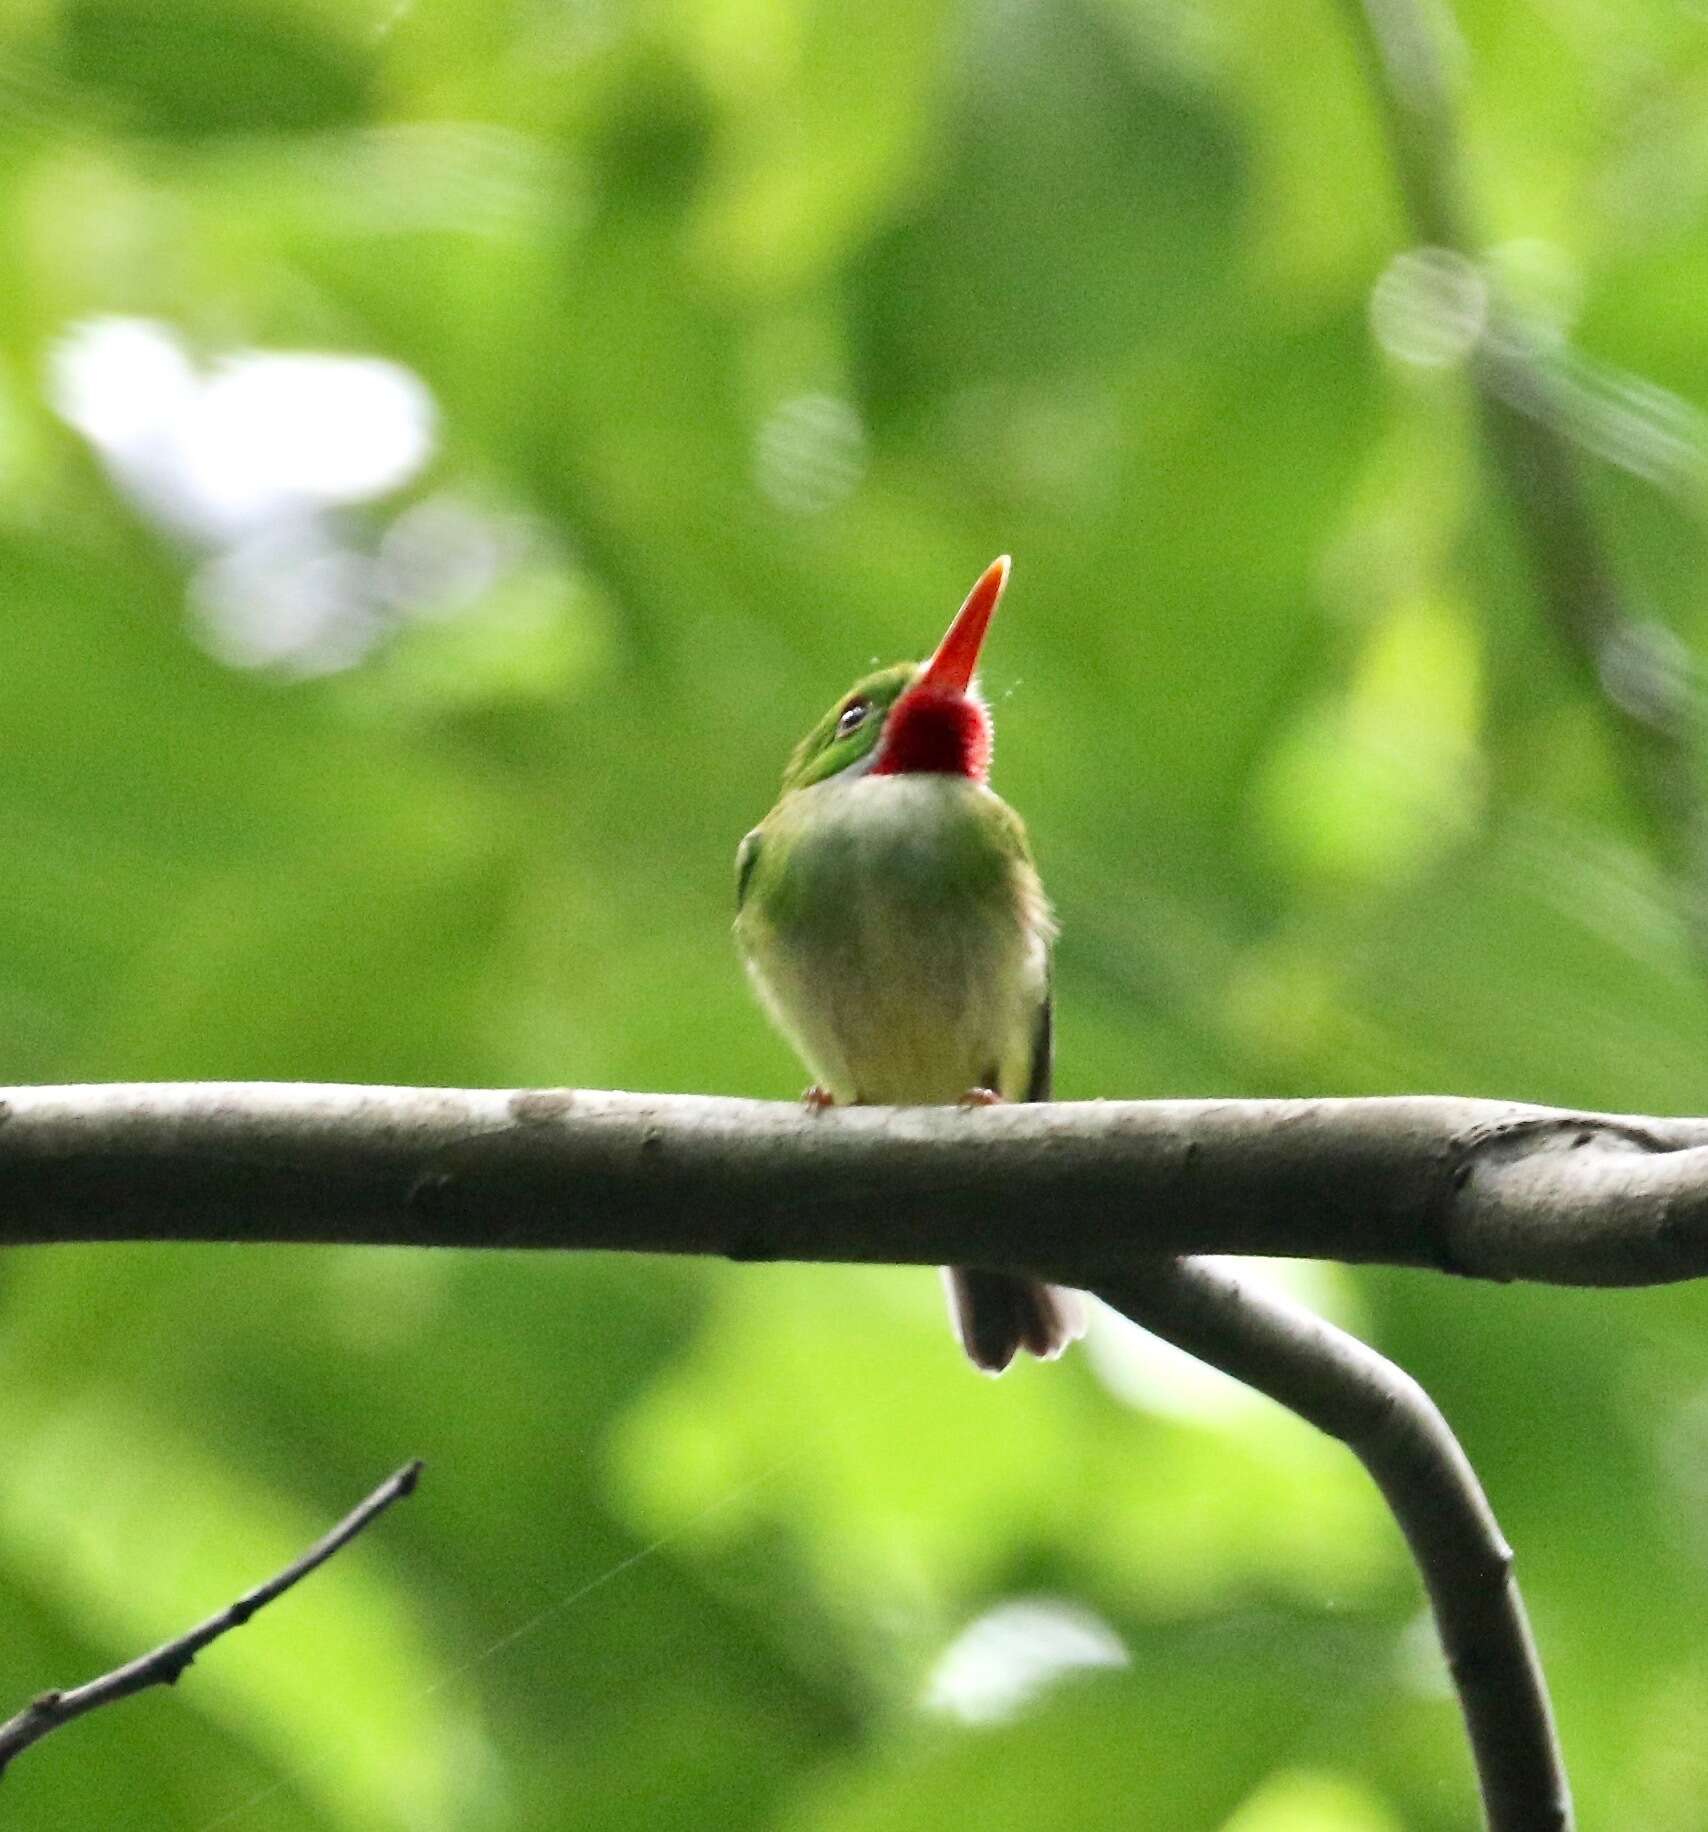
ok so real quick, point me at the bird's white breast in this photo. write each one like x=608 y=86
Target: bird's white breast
x=907 y=956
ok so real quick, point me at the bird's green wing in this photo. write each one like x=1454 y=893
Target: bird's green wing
x=1012 y=831
x=746 y=863
x=1043 y=1050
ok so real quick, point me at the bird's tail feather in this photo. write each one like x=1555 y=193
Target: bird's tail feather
x=996 y=1315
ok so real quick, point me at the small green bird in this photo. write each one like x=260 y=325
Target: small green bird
x=896 y=931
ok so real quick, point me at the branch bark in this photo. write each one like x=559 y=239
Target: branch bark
x=1077 y=1192
x=165 y=1665
x=1393 y=1427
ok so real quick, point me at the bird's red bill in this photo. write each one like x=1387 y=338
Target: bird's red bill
x=951 y=669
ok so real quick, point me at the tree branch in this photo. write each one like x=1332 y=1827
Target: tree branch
x=1527 y=415
x=1077 y=1191
x=1090 y=1194
x=167 y=1662
x=1395 y=1430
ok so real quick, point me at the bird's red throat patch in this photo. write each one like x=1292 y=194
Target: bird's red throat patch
x=933 y=733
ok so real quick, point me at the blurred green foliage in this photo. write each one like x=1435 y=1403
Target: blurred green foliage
x=743 y=335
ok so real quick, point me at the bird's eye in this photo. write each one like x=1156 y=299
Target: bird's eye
x=853 y=717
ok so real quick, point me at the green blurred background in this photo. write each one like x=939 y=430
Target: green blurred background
x=448 y=451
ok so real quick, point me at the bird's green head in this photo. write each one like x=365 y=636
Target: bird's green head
x=912 y=717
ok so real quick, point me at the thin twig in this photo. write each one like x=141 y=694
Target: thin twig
x=1078 y=1191
x=164 y=1665
x=1526 y=411
x=1391 y=1425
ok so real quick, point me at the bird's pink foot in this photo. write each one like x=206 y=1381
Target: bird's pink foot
x=979 y=1097
x=816 y=1099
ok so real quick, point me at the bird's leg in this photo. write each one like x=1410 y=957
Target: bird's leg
x=816 y=1099
x=979 y=1097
